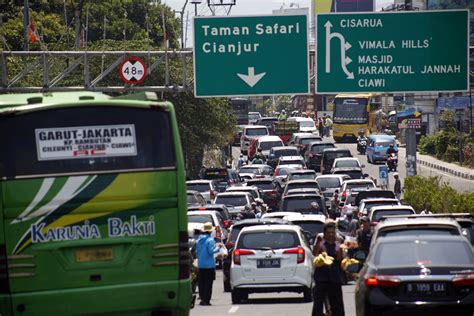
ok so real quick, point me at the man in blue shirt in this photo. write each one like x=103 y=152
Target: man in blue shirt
x=206 y=248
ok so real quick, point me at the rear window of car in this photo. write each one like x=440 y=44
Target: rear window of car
x=360 y=186
x=263 y=185
x=236 y=200
x=383 y=143
x=369 y=205
x=285 y=152
x=291 y=162
x=314 y=227
x=303 y=176
x=235 y=233
x=300 y=204
x=252 y=192
x=318 y=148
x=306 y=141
x=256 y=132
x=346 y=164
x=268 y=239
x=192 y=199
x=249 y=170
x=307 y=185
x=329 y=182
x=204 y=218
x=269 y=145
x=419 y=231
x=428 y=253
x=377 y=215
x=330 y=156
x=200 y=187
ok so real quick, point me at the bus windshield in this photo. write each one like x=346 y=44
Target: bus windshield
x=350 y=110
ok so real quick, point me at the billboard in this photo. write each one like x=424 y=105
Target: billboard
x=325 y=6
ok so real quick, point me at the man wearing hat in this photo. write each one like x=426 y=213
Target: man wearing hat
x=206 y=248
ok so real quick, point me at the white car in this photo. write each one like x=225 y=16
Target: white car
x=352 y=187
x=254 y=117
x=310 y=223
x=250 y=189
x=196 y=219
x=292 y=160
x=329 y=183
x=366 y=204
x=306 y=124
x=278 y=214
x=271 y=258
x=207 y=188
x=249 y=133
x=347 y=162
x=265 y=143
x=236 y=202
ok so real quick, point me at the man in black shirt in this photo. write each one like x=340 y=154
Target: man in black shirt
x=328 y=278
x=364 y=235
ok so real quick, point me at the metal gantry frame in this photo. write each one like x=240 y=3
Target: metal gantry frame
x=157 y=61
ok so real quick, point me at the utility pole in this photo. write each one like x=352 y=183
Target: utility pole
x=78 y=22
x=26 y=22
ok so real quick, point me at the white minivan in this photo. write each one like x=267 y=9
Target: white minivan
x=249 y=133
x=271 y=258
x=306 y=124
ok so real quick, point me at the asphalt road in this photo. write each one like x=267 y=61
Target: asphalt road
x=275 y=304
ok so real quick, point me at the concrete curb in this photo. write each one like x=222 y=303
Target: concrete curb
x=460 y=174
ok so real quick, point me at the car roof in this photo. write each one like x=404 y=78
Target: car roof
x=335 y=149
x=347 y=169
x=309 y=136
x=260 y=165
x=362 y=181
x=260 y=221
x=268 y=118
x=241 y=188
x=391 y=207
x=210 y=207
x=302 y=171
x=382 y=137
x=306 y=217
x=394 y=239
x=320 y=143
x=272 y=214
x=254 y=126
x=397 y=221
x=346 y=158
x=339 y=176
x=379 y=200
x=233 y=193
x=256 y=180
x=291 y=158
x=202 y=212
x=301 y=191
x=199 y=181
x=276 y=227
x=302 y=195
x=269 y=138
x=301 y=181
x=284 y=148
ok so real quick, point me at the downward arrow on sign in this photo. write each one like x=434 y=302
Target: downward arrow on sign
x=251 y=79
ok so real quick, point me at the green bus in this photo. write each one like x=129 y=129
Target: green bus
x=92 y=206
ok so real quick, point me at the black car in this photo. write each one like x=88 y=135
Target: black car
x=271 y=189
x=302 y=142
x=329 y=155
x=280 y=151
x=422 y=275
x=314 y=153
x=232 y=238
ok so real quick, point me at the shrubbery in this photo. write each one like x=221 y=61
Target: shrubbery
x=444 y=199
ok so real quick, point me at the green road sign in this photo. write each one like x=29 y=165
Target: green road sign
x=392 y=52
x=253 y=55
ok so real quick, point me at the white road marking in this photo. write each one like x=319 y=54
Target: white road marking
x=233 y=309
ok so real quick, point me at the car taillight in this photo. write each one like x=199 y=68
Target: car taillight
x=271 y=193
x=276 y=173
x=241 y=252
x=297 y=251
x=381 y=281
x=464 y=280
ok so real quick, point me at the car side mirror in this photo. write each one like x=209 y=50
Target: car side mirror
x=366 y=175
x=354 y=268
x=362 y=166
x=360 y=255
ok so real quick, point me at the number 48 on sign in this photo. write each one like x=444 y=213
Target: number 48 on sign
x=133 y=70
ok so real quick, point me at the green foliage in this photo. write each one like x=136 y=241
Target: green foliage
x=443 y=139
x=452 y=153
x=427 y=145
x=444 y=199
x=446 y=119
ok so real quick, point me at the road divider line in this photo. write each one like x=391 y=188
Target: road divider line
x=233 y=309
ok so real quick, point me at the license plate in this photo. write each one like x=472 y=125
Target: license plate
x=268 y=263
x=427 y=289
x=94 y=254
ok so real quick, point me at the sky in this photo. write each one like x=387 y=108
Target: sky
x=244 y=7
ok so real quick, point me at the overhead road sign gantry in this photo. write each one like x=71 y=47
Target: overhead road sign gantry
x=410 y=51
x=251 y=55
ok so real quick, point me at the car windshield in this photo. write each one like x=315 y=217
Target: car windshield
x=350 y=110
x=269 y=145
x=300 y=204
x=419 y=231
x=257 y=131
x=263 y=185
x=306 y=141
x=346 y=164
x=285 y=152
x=329 y=183
x=376 y=216
x=428 y=253
x=235 y=200
x=303 y=176
x=306 y=124
x=200 y=218
x=200 y=187
x=268 y=239
x=314 y=227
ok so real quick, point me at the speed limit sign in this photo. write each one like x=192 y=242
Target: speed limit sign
x=133 y=70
